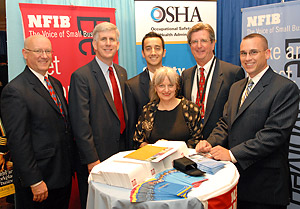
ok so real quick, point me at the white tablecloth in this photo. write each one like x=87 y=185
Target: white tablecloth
x=102 y=196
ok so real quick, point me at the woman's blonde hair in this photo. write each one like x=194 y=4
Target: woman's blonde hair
x=159 y=76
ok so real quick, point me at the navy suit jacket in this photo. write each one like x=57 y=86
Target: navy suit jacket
x=39 y=137
x=258 y=135
x=94 y=117
x=225 y=74
x=137 y=95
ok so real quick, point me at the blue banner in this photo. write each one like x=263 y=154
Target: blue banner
x=280 y=24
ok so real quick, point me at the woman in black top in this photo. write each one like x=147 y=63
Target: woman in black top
x=166 y=116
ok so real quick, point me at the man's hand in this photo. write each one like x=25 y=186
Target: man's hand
x=91 y=165
x=40 y=192
x=203 y=146
x=220 y=153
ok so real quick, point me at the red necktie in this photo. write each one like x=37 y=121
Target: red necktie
x=117 y=99
x=53 y=95
x=201 y=92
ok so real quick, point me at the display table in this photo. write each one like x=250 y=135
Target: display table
x=219 y=192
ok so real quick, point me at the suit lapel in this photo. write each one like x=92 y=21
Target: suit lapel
x=103 y=85
x=40 y=88
x=256 y=91
x=189 y=83
x=215 y=86
x=145 y=82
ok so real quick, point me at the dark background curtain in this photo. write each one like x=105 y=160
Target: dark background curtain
x=229 y=27
x=3 y=46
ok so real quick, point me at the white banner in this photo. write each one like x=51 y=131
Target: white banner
x=172 y=20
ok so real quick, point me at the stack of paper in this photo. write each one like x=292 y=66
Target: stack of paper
x=207 y=165
x=155 y=189
x=120 y=174
x=177 y=177
x=167 y=185
x=151 y=153
x=179 y=146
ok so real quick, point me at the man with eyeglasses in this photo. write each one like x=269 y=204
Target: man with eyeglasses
x=207 y=83
x=97 y=109
x=38 y=131
x=256 y=126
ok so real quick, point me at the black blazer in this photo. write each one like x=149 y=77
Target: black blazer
x=137 y=95
x=225 y=74
x=258 y=136
x=39 y=138
x=94 y=117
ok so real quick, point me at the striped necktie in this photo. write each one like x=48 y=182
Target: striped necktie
x=201 y=92
x=247 y=91
x=53 y=95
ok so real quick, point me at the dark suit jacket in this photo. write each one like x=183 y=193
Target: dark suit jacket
x=93 y=113
x=258 y=136
x=39 y=140
x=137 y=95
x=225 y=74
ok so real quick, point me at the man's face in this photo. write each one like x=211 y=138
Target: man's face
x=254 y=55
x=153 y=52
x=38 y=54
x=202 y=47
x=106 y=46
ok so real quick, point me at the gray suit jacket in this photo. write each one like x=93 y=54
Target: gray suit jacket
x=225 y=74
x=39 y=138
x=258 y=136
x=93 y=114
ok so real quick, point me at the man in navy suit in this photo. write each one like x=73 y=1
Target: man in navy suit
x=137 y=88
x=256 y=126
x=38 y=131
x=219 y=76
x=98 y=126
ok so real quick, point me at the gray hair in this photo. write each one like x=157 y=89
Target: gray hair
x=105 y=26
x=201 y=26
x=159 y=76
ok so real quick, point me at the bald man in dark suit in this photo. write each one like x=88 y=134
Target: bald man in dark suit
x=38 y=131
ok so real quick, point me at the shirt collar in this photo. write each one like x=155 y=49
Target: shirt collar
x=206 y=66
x=38 y=75
x=256 y=78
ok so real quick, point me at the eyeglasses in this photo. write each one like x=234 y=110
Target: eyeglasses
x=202 y=41
x=251 y=53
x=40 y=51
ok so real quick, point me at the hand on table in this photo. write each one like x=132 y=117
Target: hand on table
x=220 y=153
x=91 y=165
x=203 y=146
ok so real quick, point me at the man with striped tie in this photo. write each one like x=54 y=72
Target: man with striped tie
x=256 y=126
x=35 y=116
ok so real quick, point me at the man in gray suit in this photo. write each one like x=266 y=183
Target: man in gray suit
x=97 y=111
x=256 y=126
x=137 y=88
x=218 y=76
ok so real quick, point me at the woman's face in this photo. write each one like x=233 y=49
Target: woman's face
x=165 y=90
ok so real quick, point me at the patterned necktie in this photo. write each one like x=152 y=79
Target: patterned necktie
x=201 y=92
x=117 y=99
x=53 y=95
x=247 y=91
